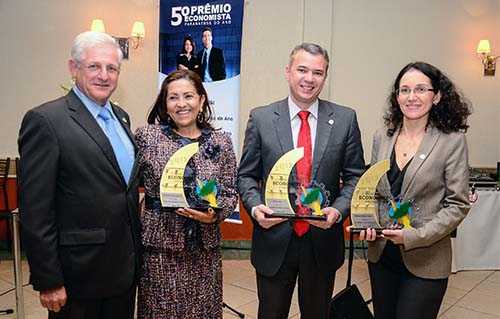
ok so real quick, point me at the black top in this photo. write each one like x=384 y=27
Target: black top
x=191 y=63
x=391 y=256
x=396 y=176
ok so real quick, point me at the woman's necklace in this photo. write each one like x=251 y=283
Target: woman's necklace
x=408 y=146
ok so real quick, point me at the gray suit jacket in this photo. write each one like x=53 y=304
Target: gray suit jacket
x=437 y=180
x=79 y=217
x=338 y=154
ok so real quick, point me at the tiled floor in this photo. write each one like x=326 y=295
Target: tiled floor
x=470 y=294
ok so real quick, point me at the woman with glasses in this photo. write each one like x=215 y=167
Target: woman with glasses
x=424 y=195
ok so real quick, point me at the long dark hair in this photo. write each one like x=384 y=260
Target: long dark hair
x=193 y=44
x=159 y=114
x=449 y=115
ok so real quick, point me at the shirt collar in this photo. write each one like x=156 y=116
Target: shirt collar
x=92 y=106
x=294 y=109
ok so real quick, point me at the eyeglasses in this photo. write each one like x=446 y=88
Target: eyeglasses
x=96 y=67
x=419 y=90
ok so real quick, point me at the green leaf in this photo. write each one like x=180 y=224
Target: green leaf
x=401 y=210
x=66 y=89
x=208 y=188
x=311 y=196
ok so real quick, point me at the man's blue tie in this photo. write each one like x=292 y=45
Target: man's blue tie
x=205 y=56
x=121 y=153
x=207 y=77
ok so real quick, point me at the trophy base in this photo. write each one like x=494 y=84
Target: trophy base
x=358 y=230
x=293 y=216
x=198 y=208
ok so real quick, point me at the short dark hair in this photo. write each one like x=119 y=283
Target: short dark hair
x=159 y=114
x=207 y=29
x=312 y=48
x=449 y=115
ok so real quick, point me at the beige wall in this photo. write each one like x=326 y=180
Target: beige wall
x=369 y=41
x=373 y=40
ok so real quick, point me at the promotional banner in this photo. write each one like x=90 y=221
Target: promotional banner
x=206 y=37
x=184 y=21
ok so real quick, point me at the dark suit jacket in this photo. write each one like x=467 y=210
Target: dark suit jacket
x=79 y=218
x=216 y=64
x=337 y=154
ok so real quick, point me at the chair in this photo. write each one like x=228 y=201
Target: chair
x=5 y=210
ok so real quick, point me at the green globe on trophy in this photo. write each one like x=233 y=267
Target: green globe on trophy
x=207 y=190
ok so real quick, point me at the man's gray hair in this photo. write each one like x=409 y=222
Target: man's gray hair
x=90 y=39
x=312 y=48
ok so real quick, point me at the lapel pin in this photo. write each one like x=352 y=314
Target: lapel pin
x=422 y=156
x=124 y=120
x=331 y=122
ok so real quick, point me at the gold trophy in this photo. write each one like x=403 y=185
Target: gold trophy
x=173 y=191
x=364 y=199
x=172 y=179
x=277 y=190
x=395 y=212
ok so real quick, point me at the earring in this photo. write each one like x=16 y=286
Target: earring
x=200 y=117
x=169 y=120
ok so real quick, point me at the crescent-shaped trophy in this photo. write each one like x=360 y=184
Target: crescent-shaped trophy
x=363 y=212
x=172 y=179
x=277 y=187
x=276 y=194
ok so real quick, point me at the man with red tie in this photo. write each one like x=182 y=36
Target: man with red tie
x=307 y=251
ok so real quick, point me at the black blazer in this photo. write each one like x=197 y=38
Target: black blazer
x=79 y=218
x=337 y=154
x=216 y=64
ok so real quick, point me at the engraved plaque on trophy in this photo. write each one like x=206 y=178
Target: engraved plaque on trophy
x=278 y=189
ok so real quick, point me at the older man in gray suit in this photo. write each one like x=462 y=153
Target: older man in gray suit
x=310 y=251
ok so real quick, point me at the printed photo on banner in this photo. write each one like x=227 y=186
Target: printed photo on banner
x=199 y=33
x=205 y=37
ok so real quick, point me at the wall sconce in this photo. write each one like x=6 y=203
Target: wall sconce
x=97 y=26
x=489 y=61
x=136 y=35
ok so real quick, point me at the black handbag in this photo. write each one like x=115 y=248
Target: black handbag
x=349 y=303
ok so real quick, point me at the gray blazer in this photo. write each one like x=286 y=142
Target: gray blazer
x=337 y=154
x=437 y=180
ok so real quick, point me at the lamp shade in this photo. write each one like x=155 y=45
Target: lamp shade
x=138 y=30
x=97 y=26
x=483 y=46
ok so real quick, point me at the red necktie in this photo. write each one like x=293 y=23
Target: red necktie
x=303 y=167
